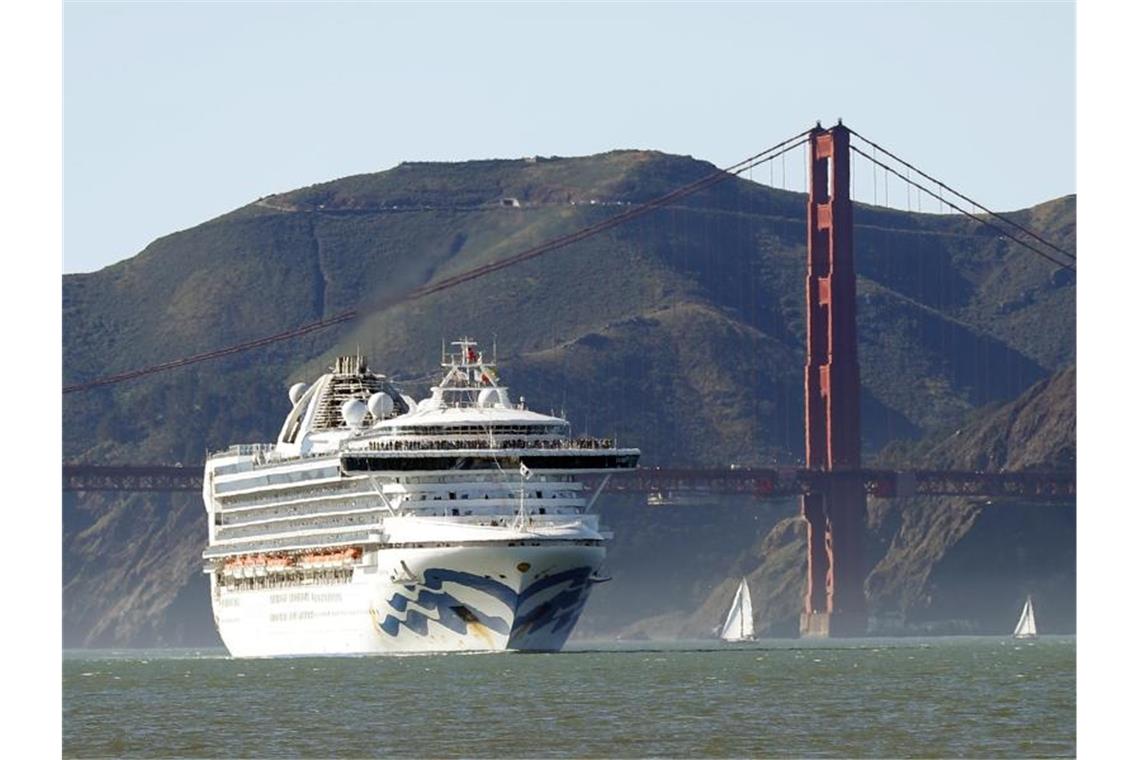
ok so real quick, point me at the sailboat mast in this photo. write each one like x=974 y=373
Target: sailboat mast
x=741 y=591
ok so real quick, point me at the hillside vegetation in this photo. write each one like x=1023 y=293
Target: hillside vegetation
x=680 y=332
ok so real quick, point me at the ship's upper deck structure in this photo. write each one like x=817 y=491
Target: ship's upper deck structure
x=356 y=459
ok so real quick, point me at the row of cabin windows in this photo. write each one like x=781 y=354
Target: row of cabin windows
x=475 y=478
x=351 y=500
x=337 y=521
x=451 y=495
x=296 y=510
x=455 y=511
x=236 y=531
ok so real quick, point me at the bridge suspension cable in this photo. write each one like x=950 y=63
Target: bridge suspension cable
x=553 y=244
x=980 y=219
x=911 y=167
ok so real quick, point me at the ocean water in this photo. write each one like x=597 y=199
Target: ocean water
x=936 y=697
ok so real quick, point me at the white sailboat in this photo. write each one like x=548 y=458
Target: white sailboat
x=1027 y=624
x=738 y=624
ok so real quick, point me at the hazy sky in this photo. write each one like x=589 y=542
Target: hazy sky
x=176 y=113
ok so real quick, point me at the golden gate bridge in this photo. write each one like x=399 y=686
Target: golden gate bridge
x=833 y=486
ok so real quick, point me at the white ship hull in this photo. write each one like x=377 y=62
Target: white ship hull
x=468 y=598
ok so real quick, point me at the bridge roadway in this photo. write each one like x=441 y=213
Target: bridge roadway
x=756 y=482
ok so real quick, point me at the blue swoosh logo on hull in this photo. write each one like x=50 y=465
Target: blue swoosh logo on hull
x=560 y=612
x=431 y=597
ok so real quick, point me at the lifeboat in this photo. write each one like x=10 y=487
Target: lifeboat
x=257 y=565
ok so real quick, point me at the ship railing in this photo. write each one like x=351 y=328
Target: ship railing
x=576 y=444
x=243 y=449
x=268 y=453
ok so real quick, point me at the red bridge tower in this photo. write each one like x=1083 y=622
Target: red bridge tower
x=834 y=604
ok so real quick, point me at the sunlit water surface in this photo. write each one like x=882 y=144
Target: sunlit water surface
x=950 y=697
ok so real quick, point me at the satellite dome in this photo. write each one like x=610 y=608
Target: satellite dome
x=488 y=397
x=381 y=405
x=353 y=412
x=296 y=391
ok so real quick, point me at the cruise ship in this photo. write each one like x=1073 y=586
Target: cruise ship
x=378 y=524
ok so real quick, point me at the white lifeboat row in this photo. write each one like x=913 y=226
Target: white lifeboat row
x=262 y=565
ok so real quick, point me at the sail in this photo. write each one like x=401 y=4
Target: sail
x=738 y=624
x=1026 y=625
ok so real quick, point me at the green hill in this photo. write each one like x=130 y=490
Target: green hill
x=681 y=332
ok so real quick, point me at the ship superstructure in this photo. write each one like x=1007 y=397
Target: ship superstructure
x=380 y=524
